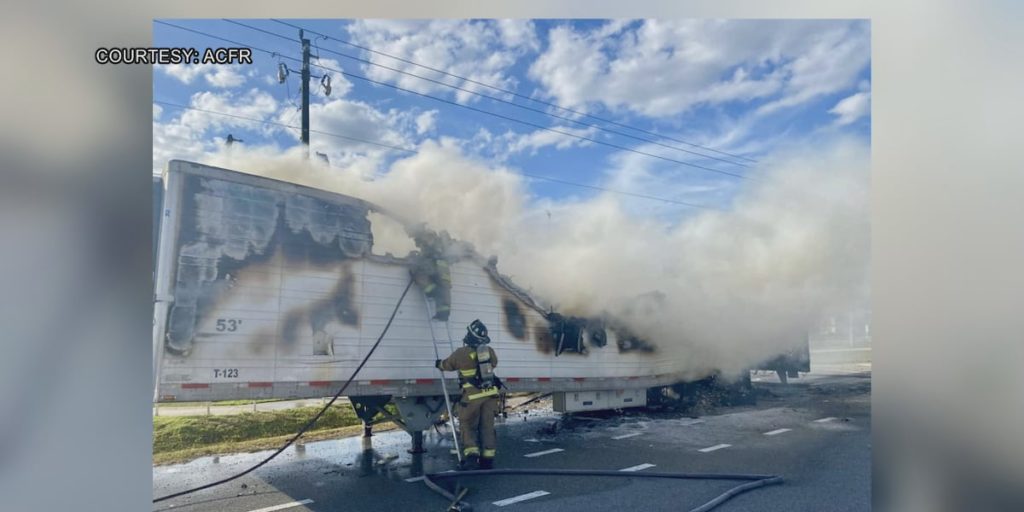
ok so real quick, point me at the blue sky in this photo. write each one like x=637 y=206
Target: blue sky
x=750 y=88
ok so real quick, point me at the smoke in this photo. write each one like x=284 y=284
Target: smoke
x=719 y=289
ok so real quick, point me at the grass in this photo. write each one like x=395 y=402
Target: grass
x=183 y=438
x=222 y=402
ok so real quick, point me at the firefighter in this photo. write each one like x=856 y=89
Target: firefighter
x=475 y=363
x=432 y=274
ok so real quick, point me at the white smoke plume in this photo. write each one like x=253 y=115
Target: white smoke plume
x=720 y=289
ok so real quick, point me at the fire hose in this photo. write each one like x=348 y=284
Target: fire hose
x=311 y=422
x=754 y=481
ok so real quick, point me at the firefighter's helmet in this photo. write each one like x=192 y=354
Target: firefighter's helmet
x=476 y=333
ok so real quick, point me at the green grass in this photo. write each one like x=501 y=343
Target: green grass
x=179 y=438
x=222 y=402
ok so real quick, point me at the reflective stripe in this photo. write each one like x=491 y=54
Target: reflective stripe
x=489 y=454
x=471 y=450
x=466 y=385
x=482 y=394
x=429 y=288
x=472 y=355
x=468 y=373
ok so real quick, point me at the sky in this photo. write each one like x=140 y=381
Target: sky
x=722 y=96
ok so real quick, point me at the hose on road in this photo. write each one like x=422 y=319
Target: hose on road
x=754 y=481
x=311 y=422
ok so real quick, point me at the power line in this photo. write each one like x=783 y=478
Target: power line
x=493 y=98
x=274 y=123
x=621 y=192
x=468 y=107
x=513 y=93
x=412 y=151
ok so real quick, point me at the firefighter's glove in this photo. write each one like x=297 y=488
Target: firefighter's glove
x=437 y=364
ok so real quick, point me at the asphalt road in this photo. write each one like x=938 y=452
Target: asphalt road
x=824 y=455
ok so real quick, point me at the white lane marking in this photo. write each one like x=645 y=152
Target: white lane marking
x=713 y=448
x=690 y=422
x=521 y=497
x=532 y=440
x=283 y=506
x=824 y=420
x=545 y=452
x=624 y=436
x=777 y=432
x=638 y=467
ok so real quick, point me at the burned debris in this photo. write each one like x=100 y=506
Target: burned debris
x=575 y=334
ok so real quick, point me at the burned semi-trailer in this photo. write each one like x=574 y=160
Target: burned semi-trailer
x=268 y=289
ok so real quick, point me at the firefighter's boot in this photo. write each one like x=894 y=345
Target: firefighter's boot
x=470 y=462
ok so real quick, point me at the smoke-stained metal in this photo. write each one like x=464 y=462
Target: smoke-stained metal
x=270 y=289
x=229 y=228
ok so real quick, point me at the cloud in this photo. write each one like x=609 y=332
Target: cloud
x=831 y=64
x=184 y=73
x=518 y=33
x=225 y=77
x=480 y=50
x=426 y=122
x=500 y=147
x=663 y=68
x=253 y=104
x=198 y=135
x=355 y=119
x=192 y=134
x=637 y=174
x=340 y=85
x=852 y=108
x=358 y=131
x=533 y=141
x=220 y=76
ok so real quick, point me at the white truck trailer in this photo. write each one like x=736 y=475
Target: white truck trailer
x=268 y=289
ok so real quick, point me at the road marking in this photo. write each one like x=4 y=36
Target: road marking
x=521 y=497
x=824 y=420
x=624 y=436
x=777 y=432
x=638 y=467
x=690 y=422
x=713 y=448
x=545 y=452
x=283 y=506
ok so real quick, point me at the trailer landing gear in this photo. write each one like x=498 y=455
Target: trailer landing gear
x=417 y=442
x=414 y=414
x=367 y=408
x=417 y=414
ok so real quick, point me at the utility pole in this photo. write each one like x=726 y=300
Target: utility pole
x=305 y=92
x=325 y=82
